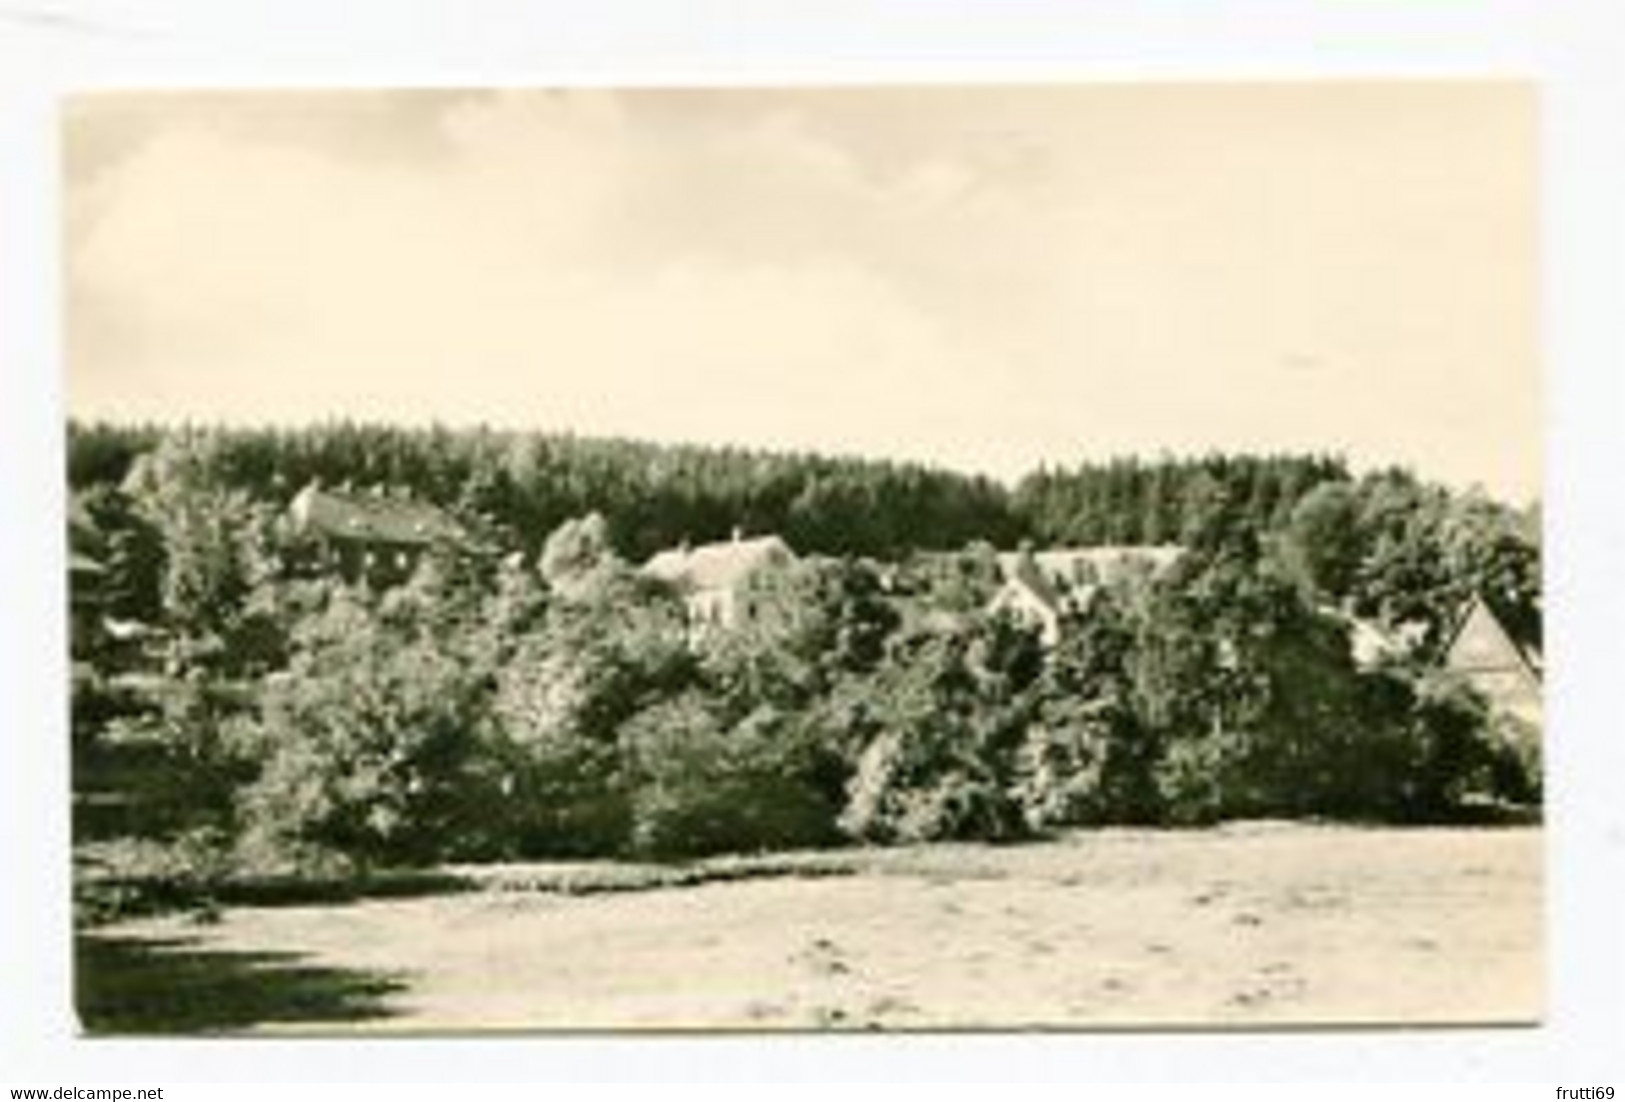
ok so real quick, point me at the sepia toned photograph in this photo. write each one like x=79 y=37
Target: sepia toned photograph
x=906 y=558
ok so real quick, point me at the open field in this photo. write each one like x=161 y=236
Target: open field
x=1246 y=925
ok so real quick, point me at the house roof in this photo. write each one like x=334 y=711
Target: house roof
x=1480 y=643
x=371 y=518
x=1077 y=566
x=1025 y=572
x=715 y=566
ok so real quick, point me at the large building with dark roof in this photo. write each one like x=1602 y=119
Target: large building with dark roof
x=374 y=534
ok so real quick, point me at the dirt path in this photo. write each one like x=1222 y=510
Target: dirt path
x=1248 y=925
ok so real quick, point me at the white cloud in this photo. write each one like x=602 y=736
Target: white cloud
x=1007 y=279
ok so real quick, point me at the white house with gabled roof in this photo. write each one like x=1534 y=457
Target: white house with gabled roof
x=711 y=577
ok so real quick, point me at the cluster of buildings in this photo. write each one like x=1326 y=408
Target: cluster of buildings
x=383 y=536
x=1046 y=588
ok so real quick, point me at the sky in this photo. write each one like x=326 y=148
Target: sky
x=989 y=278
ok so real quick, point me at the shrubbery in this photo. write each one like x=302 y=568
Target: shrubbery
x=704 y=787
x=951 y=707
x=1085 y=762
x=398 y=735
x=610 y=645
x=368 y=743
x=1089 y=754
x=1516 y=769
x=134 y=875
x=484 y=712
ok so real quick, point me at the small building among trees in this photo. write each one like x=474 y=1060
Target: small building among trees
x=1041 y=588
x=712 y=576
x=375 y=535
x=1484 y=653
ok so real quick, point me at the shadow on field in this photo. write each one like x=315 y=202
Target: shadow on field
x=128 y=985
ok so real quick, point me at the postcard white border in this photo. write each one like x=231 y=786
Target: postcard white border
x=1573 y=49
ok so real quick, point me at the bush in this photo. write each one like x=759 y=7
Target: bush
x=1087 y=758
x=1083 y=763
x=1516 y=771
x=132 y=876
x=1262 y=711
x=1191 y=789
x=1448 y=725
x=951 y=707
x=564 y=793
x=704 y=788
x=611 y=646
x=369 y=741
x=905 y=791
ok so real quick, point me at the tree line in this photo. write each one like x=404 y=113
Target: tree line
x=658 y=495
x=522 y=485
x=1389 y=545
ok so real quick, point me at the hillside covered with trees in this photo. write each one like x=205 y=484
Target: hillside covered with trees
x=551 y=702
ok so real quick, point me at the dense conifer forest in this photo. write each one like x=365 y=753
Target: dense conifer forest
x=656 y=495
